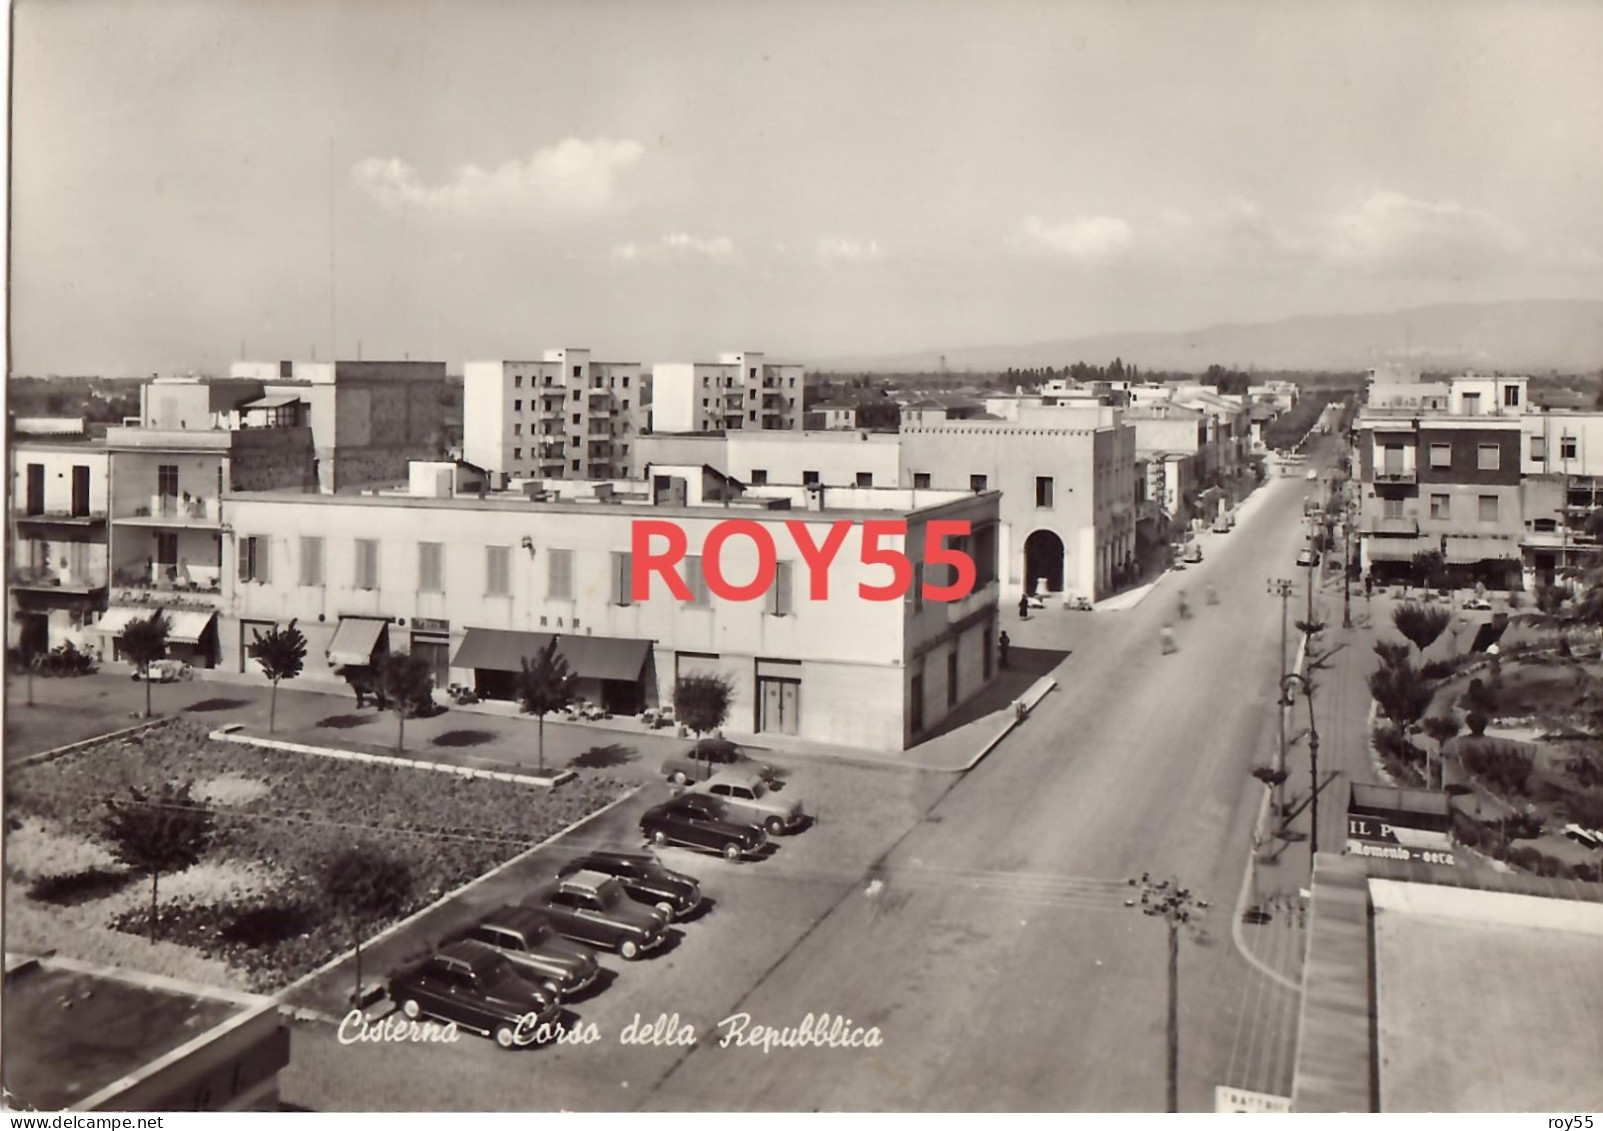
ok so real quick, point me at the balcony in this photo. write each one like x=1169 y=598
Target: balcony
x=161 y=583
x=173 y=510
x=48 y=579
x=61 y=519
x=1395 y=526
x=550 y=452
x=1393 y=476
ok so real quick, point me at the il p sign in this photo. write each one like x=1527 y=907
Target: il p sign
x=657 y=547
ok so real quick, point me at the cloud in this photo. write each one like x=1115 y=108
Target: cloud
x=718 y=249
x=1394 y=234
x=1086 y=239
x=573 y=178
x=844 y=249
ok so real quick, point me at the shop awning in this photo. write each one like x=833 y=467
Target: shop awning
x=118 y=617
x=588 y=657
x=1463 y=551
x=355 y=640
x=1398 y=549
x=270 y=402
x=188 y=625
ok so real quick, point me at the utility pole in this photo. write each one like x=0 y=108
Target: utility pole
x=1176 y=906
x=1281 y=587
x=1287 y=682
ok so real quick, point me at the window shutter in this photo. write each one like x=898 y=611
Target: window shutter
x=621 y=569
x=244 y=551
x=779 y=596
x=263 y=560
x=695 y=582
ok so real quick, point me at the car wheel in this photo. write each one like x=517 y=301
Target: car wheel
x=411 y=1009
x=659 y=837
x=731 y=851
x=629 y=949
x=775 y=826
x=666 y=908
x=678 y=777
x=505 y=1037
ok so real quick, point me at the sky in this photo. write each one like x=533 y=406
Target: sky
x=663 y=181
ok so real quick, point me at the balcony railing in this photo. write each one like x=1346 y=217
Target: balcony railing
x=63 y=518
x=67 y=580
x=1404 y=526
x=162 y=577
x=1395 y=475
x=177 y=510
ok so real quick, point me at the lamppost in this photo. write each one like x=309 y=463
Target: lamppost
x=1176 y=906
x=1287 y=682
x=1281 y=587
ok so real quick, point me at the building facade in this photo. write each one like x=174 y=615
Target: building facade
x=57 y=568
x=739 y=391
x=476 y=584
x=563 y=416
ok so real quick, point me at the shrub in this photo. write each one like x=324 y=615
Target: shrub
x=1476 y=721
x=1586 y=770
x=1499 y=764
x=1437 y=670
x=1479 y=697
x=1585 y=809
x=65 y=661
x=1525 y=857
x=1587 y=872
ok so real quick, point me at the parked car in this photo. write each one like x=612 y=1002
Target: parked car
x=1580 y=834
x=1480 y=604
x=700 y=821
x=537 y=950
x=749 y=800
x=167 y=671
x=590 y=907
x=1222 y=525
x=1307 y=557
x=1313 y=474
x=1192 y=553
x=1079 y=605
x=478 y=989
x=643 y=879
x=706 y=758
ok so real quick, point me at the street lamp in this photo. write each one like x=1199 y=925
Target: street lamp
x=1176 y=906
x=1287 y=682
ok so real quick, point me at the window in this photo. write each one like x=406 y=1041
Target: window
x=1043 y=491
x=921 y=480
x=430 y=567
x=1488 y=508
x=517 y=381
x=626 y=385
x=1511 y=396
x=1441 y=455
x=253 y=559
x=865 y=478
x=779 y=595
x=809 y=478
x=1566 y=447
x=517 y=406
x=1472 y=404
x=575 y=465
x=167 y=480
x=578 y=370
x=517 y=453
x=977 y=483
x=498 y=571
x=754 y=373
x=626 y=401
x=1440 y=506
x=951 y=678
x=559 y=575
x=916 y=588
x=1538 y=449
x=366 y=563
x=1391 y=508
x=752 y=414
x=576 y=418
x=622 y=591
x=80 y=490
x=311 y=561
x=1488 y=457
x=759 y=477
x=700 y=598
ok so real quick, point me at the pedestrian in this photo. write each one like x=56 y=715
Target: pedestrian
x=1002 y=645
x=1166 y=638
x=1369 y=586
x=1184 y=609
x=1024 y=607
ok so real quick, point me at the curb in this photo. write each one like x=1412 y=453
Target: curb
x=227 y=734
x=280 y=997
x=56 y=752
x=1022 y=707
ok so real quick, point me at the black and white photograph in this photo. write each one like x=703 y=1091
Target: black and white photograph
x=901 y=556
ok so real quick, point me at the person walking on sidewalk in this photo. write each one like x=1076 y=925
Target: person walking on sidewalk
x=1002 y=645
x=1166 y=639
x=1024 y=607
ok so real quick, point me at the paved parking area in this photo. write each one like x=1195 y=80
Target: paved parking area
x=757 y=913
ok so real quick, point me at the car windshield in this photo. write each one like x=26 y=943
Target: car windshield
x=607 y=894
x=492 y=970
x=537 y=934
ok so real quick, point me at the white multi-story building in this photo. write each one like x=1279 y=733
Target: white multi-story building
x=739 y=391
x=476 y=584
x=57 y=566
x=564 y=416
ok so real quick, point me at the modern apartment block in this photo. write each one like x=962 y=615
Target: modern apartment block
x=564 y=416
x=799 y=459
x=368 y=418
x=1445 y=480
x=57 y=562
x=476 y=584
x=1561 y=488
x=739 y=391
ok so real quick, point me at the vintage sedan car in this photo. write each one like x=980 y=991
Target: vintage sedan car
x=590 y=907
x=700 y=821
x=537 y=950
x=748 y=800
x=1192 y=553
x=1479 y=604
x=166 y=671
x=706 y=758
x=643 y=879
x=1307 y=557
x=472 y=985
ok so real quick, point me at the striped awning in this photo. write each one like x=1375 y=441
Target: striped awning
x=188 y=625
x=117 y=618
x=588 y=657
x=355 y=640
x=1398 y=549
x=1462 y=551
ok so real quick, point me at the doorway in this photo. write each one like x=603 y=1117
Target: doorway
x=779 y=704
x=1043 y=562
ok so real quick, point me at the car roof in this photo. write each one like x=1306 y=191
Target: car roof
x=587 y=878
x=735 y=775
x=615 y=854
x=474 y=954
x=515 y=917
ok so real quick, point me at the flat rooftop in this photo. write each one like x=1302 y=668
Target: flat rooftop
x=1487 y=1000
x=70 y=1031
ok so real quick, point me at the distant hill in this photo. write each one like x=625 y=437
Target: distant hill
x=1541 y=335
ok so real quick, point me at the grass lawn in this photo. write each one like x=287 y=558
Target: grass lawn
x=255 y=907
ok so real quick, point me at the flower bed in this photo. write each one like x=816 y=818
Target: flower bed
x=282 y=816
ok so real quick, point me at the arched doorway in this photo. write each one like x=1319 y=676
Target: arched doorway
x=1043 y=560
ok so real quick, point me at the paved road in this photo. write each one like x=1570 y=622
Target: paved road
x=996 y=955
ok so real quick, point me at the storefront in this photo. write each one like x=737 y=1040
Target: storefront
x=609 y=671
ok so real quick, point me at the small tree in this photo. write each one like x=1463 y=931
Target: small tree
x=1441 y=729
x=701 y=702
x=162 y=831
x=1403 y=696
x=282 y=655
x=406 y=681
x=545 y=685
x=1420 y=624
x=1391 y=653
x=362 y=883
x=145 y=642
